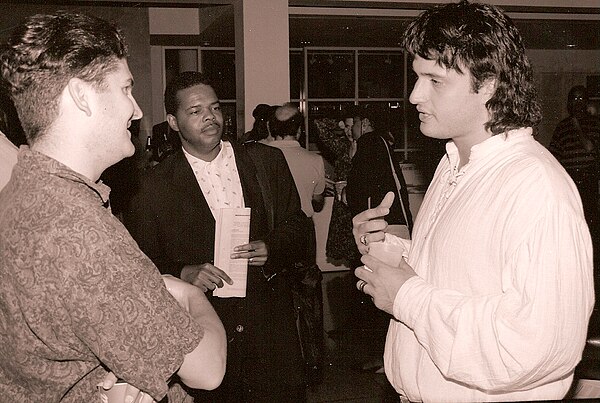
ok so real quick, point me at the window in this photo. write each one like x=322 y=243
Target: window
x=339 y=77
x=217 y=63
x=324 y=81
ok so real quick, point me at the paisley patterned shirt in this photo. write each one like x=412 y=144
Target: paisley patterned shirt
x=77 y=296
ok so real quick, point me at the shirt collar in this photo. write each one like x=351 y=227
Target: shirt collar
x=491 y=145
x=37 y=161
x=286 y=143
x=199 y=162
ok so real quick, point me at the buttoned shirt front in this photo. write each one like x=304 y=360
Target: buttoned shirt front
x=219 y=179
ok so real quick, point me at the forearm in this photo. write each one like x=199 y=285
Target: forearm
x=204 y=367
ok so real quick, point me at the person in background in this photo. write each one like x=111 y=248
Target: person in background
x=260 y=129
x=337 y=146
x=307 y=168
x=308 y=171
x=494 y=299
x=375 y=171
x=172 y=217
x=576 y=145
x=79 y=295
x=8 y=159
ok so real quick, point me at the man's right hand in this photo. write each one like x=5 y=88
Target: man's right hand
x=205 y=276
x=369 y=226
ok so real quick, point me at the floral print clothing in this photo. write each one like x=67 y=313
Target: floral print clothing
x=77 y=296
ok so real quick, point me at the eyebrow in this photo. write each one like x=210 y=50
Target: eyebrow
x=198 y=105
x=431 y=75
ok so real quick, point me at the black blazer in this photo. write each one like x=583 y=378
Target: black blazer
x=172 y=223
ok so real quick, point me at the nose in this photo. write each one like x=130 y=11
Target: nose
x=417 y=95
x=137 y=112
x=209 y=115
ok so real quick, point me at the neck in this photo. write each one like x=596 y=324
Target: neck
x=70 y=156
x=464 y=146
x=205 y=153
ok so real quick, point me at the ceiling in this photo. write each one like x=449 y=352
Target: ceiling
x=317 y=29
x=544 y=24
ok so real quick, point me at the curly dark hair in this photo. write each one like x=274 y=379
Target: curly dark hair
x=45 y=52
x=484 y=40
x=180 y=82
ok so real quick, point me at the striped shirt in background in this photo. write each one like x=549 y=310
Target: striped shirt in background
x=578 y=153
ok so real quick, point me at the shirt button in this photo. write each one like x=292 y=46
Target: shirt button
x=239 y=328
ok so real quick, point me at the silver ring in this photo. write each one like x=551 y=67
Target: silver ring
x=361 y=285
x=363 y=239
x=251 y=260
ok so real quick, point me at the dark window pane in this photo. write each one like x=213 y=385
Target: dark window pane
x=229 y=121
x=380 y=75
x=296 y=75
x=180 y=60
x=219 y=65
x=330 y=74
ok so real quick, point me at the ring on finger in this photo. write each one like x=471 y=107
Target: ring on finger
x=361 y=285
x=363 y=239
x=251 y=260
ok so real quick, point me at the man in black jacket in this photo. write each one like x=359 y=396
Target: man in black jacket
x=173 y=219
x=375 y=169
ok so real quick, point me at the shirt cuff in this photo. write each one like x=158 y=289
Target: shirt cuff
x=410 y=299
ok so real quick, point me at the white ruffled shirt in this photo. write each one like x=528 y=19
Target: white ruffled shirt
x=219 y=179
x=500 y=307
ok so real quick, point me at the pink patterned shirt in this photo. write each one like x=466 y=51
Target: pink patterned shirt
x=77 y=296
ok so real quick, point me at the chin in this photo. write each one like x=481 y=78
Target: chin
x=128 y=146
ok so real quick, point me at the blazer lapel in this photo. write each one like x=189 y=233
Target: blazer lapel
x=184 y=181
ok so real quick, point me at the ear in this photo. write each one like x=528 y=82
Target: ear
x=172 y=120
x=79 y=92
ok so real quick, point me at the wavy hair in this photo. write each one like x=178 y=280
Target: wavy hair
x=484 y=40
x=45 y=52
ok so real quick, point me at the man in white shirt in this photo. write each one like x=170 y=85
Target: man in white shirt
x=307 y=168
x=494 y=299
x=8 y=159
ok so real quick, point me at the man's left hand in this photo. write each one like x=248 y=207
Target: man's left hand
x=256 y=252
x=382 y=281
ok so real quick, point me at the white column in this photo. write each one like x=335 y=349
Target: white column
x=261 y=56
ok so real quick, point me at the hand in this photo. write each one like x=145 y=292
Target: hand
x=205 y=276
x=256 y=252
x=180 y=290
x=383 y=281
x=131 y=393
x=369 y=225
